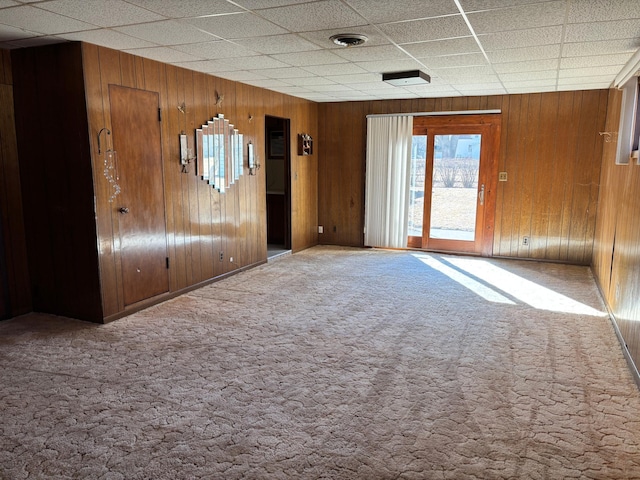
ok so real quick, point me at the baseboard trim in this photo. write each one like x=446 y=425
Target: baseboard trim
x=136 y=307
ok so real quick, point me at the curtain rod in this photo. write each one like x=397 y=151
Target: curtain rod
x=427 y=114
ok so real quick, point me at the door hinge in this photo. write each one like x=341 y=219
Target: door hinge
x=159 y=114
x=167 y=258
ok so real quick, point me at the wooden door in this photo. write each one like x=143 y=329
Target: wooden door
x=453 y=183
x=140 y=210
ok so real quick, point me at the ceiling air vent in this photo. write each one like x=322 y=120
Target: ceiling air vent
x=348 y=39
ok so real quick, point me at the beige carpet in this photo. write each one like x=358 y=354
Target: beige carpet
x=335 y=364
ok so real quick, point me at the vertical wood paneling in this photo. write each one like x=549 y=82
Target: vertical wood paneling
x=547 y=145
x=15 y=292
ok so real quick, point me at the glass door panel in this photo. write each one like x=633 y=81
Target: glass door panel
x=416 y=185
x=454 y=196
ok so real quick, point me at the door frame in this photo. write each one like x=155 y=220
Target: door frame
x=489 y=125
x=284 y=125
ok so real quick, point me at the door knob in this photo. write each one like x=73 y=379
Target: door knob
x=123 y=210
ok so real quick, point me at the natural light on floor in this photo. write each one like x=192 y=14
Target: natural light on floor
x=488 y=280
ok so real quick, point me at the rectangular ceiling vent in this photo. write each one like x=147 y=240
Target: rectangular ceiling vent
x=402 y=79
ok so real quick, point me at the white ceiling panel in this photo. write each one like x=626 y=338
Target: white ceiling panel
x=306 y=59
x=521 y=38
x=187 y=8
x=166 y=32
x=518 y=18
x=215 y=50
x=602 y=10
x=109 y=38
x=451 y=61
x=599 y=31
x=524 y=67
x=41 y=21
x=436 y=48
x=430 y=29
x=584 y=49
x=286 y=43
x=290 y=72
x=619 y=59
x=548 y=45
x=314 y=16
x=240 y=25
x=540 y=52
x=377 y=11
x=105 y=13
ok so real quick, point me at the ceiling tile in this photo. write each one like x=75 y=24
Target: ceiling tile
x=600 y=10
x=187 y=8
x=518 y=18
x=584 y=86
x=521 y=38
x=240 y=25
x=318 y=15
x=286 y=43
x=8 y=3
x=391 y=65
x=305 y=59
x=431 y=29
x=451 y=61
x=442 y=47
x=338 y=69
x=215 y=49
x=105 y=13
x=109 y=38
x=12 y=33
x=528 y=76
x=598 y=48
x=162 y=54
x=466 y=72
x=281 y=73
x=540 y=52
x=166 y=32
x=330 y=88
x=482 y=92
x=363 y=53
x=41 y=21
x=358 y=78
x=308 y=81
x=550 y=82
x=383 y=12
x=619 y=59
x=539 y=89
x=268 y=83
x=428 y=89
x=322 y=37
x=33 y=42
x=474 y=5
x=209 y=66
x=256 y=4
x=243 y=76
x=255 y=63
x=599 y=31
x=584 y=79
x=612 y=71
x=400 y=94
x=523 y=67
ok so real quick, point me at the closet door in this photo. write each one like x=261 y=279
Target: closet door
x=140 y=209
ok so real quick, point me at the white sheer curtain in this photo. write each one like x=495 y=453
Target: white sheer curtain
x=387 y=180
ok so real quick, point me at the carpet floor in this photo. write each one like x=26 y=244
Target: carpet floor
x=333 y=363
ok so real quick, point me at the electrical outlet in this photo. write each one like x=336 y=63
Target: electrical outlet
x=221 y=256
x=502 y=177
x=320 y=229
x=525 y=240
x=230 y=259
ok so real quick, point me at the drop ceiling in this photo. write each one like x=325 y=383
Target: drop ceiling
x=468 y=47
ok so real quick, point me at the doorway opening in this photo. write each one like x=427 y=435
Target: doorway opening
x=278 y=179
x=453 y=182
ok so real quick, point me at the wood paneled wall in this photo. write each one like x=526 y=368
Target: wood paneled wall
x=201 y=222
x=15 y=292
x=550 y=148
x=616 y=257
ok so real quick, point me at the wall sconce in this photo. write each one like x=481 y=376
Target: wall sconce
x=305 y=144
x=186 y=154
x=253 y=165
